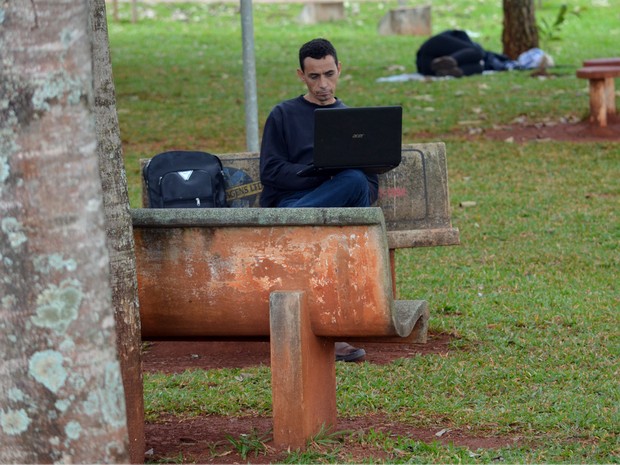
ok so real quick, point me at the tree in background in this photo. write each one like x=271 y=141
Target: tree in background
x=134 y=10
x=61 y=392
x=520 y=31
x=118 y=230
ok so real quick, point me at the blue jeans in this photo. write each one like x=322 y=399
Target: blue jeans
x=349 y=188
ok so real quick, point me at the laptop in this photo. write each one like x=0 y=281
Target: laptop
x=366 y=138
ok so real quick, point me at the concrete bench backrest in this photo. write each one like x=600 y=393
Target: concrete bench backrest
x=414 y=196
x=209 y=272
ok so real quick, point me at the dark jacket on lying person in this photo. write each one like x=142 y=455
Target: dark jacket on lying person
x=453 y=53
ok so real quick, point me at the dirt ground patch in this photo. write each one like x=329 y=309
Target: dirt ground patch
x=582 y=131
x=204 y=439
x=176 y=357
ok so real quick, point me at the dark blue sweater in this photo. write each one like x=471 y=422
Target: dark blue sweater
x=287 y=147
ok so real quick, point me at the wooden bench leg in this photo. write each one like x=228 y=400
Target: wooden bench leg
x=303 y=373
x=610 y=96
x=598 y=98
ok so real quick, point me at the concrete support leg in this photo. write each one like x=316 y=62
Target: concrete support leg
x=303 y=373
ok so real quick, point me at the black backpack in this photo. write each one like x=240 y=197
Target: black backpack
x=180 y=179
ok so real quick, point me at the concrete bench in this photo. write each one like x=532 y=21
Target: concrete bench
x=601 y=74
x=407 y=20
x=414 y=197
x=319 y=11
x=302 y=277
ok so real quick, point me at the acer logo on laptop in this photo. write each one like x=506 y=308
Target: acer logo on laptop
x=357 y=136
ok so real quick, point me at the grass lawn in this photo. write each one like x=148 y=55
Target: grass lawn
x=532 y=295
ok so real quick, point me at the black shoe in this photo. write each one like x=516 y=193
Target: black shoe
x=347 y=353
x=446 y=66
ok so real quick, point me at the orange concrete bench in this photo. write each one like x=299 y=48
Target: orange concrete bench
x=601 y=74
x=414 y=197
x=243 y=272
x=302 y=277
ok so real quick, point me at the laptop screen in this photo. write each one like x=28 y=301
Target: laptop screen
x=368 y=138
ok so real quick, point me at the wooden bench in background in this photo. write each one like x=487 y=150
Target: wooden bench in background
x=600 y=73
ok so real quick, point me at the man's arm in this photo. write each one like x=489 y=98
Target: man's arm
x=284 y=152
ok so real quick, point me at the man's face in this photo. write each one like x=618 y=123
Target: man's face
x=321 y=77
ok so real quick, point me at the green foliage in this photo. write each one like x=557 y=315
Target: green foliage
x=250 y=443
x=550 y=31
x=324 y=447
x=530 y=296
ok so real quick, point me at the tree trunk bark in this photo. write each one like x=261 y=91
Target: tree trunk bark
x=118 y=230
x=61 y=390
x=520 y=31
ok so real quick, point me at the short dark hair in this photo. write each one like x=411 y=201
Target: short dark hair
x=317 y=49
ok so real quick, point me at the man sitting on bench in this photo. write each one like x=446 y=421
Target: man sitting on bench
x=287 y=147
